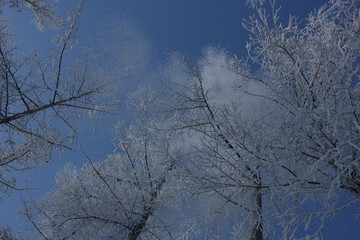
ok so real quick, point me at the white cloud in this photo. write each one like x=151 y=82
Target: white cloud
x=122 y=44
x=228 y=89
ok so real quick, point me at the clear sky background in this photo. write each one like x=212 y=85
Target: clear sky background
x=158 y=28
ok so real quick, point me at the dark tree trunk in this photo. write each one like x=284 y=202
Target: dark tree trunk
x=257 y=227
x=140 y=225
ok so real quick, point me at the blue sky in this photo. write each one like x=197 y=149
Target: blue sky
x=164 y=26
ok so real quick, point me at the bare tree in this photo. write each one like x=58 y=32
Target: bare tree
x=270 y=142
x=42 y=97
x=6 y=234
x=118 y=197
x=222 y=162
x=44 y=12
x=272 y=139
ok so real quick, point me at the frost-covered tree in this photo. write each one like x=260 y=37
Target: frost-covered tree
x=266 y=147
x=41 y=96
x=219 y=126
x=280 y=142
x=6 y=234
x=123 y=196
x=44 y=12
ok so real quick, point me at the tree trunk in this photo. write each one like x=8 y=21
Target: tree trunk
x=140 y=225
x=257 y=227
